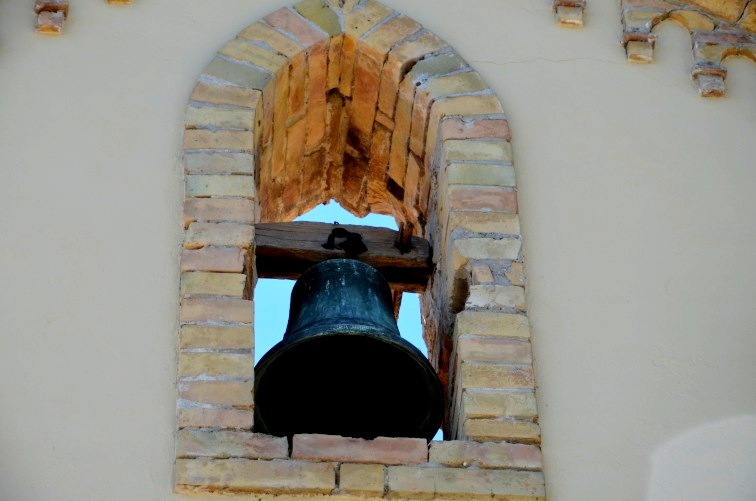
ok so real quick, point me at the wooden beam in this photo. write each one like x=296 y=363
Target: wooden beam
x=285 y=250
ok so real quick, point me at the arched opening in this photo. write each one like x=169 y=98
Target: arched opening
x=354 y=102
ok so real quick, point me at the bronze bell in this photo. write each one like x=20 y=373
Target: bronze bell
x=342 y=367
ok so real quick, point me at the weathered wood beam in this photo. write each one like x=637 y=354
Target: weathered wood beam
x=285 y=250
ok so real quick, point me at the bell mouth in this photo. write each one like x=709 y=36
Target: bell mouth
x=353 y=384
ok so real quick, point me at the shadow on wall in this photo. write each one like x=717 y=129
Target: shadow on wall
x=713 y=461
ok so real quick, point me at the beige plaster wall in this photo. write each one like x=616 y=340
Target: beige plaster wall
x=637 y=213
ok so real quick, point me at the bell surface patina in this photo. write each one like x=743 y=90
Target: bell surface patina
x=342 y=367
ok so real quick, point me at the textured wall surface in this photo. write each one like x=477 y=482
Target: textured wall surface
x=636 y=202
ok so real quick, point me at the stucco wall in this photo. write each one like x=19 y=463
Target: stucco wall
x=637 y=208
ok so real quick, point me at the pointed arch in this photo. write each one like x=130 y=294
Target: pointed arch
x=359 y=103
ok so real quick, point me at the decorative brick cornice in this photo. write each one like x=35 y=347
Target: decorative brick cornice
x=718 y=29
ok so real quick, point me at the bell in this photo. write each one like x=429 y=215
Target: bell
x=342 y=367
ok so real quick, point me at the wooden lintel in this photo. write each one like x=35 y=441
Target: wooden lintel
x=285 y=250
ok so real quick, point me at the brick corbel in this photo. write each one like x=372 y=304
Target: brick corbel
x=51 y=16
x=569 y=13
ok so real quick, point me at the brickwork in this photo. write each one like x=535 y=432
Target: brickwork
x=719 y=29
x=355 y=102
x=51 y=16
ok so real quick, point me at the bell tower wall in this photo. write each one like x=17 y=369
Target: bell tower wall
x=353 y=101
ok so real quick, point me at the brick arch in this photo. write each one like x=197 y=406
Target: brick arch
x=356 y=102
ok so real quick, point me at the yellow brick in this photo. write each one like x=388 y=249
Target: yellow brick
x=226 y=365
x=199 y=117
x=465 y=249
x=477 y=150
x=240 y=475
x=216 y=93
x=198 y=139
x=728 y=9
x=495 y=430
x=273 y=38
x=218 y=162
x=480 y=174
x=241 y=210
x=496 y=376
x=412 y=482
x=228 y=393
x=319 y=13
x=639 y=51
x=362 y=479
x=490 y=323
x=484 y=222
x=465 y=453
x=195 y=283
x=223 y=234
x=216 y=309
x=360 y=20
x=748 y=20
x=483 y=403
x=216 y=337
x=389 y=33
x=206 y=417
x=220 y=186
x=516 y=273
x=493 y=349
x=242 y=50
x=496 y=296
x=242 y=75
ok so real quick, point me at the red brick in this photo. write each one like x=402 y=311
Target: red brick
x=382 y=450
x=334 y=61
x=314 y=178
x=348 y=57
x=297 y=79
x=337 y=127
x=495 y=199
x=400 y=137
x=412 y=180
x=367 y=75
x=280 y=119
x=317 y=85
x=461 y=128
x=378 y=166
x=463 y=453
